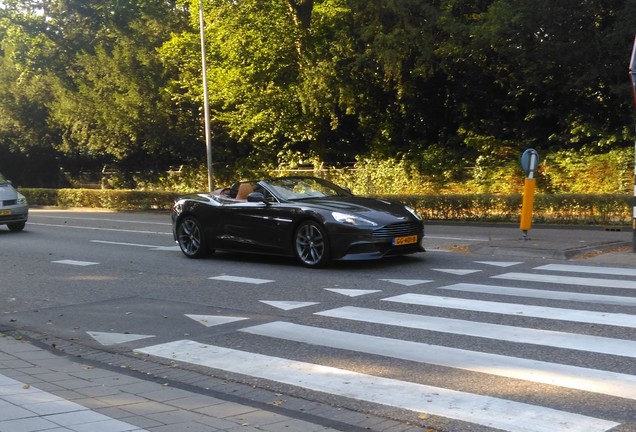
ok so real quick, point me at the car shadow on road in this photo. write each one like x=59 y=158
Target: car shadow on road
x=283 y=261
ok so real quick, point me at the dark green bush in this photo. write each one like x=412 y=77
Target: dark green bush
x=601 y=209
x=100 y=198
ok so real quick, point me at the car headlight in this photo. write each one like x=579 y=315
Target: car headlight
x=22 y=199
x=350 y=219
x=413 y=212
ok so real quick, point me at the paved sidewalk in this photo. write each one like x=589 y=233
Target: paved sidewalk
x=589 y=245
x=42 y=391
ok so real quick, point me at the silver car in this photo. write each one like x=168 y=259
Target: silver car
x=14 y=210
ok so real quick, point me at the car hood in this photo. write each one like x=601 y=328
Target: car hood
x=7 y=192
x=370 y=208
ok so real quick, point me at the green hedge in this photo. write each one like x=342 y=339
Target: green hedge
x=601 y=209
x=100 y=198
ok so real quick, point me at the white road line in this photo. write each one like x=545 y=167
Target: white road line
x=573 y=377
x=153 y=247
x=574 y=315
x=125 y=244
x=240 y=279
x=104 y=220
x=100 y=229
x=573 y=341
x=483 y=410
x=567 y=280
x=75 y=263
x=457 y=238
x=542 y=294
x=588 y=269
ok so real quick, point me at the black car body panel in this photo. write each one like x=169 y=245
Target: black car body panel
x=267 y=222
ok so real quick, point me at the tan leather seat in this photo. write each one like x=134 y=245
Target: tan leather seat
x=244 y=190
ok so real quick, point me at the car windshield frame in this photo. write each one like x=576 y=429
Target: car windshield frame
x=303 y=188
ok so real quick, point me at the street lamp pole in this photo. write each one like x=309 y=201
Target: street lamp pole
x=632 y=76
x=206 y=101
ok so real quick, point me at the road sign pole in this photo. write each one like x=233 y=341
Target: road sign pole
x=529 y=163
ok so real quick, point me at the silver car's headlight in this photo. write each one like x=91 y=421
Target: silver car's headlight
x=21 y=199
x=350 y=219
x=413 y=212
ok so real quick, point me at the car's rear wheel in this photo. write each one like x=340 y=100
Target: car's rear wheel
x=311 y=244
x=191 y=238
x=19 y=226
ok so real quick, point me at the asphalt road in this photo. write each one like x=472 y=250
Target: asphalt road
x=530 y=334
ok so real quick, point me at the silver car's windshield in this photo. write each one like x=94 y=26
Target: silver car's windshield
x=3 y=181
x=298 y=188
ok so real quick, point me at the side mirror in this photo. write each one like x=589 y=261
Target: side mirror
x=256 y=197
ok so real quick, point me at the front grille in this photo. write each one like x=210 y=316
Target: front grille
x=397 y=230
x=9 y=202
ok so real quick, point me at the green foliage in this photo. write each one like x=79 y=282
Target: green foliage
x=102 y=198
x=586 y=172
x=442 y=95
x=589 y=209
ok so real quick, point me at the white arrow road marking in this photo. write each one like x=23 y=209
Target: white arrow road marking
x=214 y=320
x=75 y=263
x=483 y=410
x=352 y=292
x=240 y=279
x=579 y=378
x=153 y=247
x=407 y=282
x=288 y=305
x=500 y=263
x=116 y=338
x=458 y=272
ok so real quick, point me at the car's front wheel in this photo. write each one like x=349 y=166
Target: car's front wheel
x=311 y=244
x=191 y=238
x=18 y=226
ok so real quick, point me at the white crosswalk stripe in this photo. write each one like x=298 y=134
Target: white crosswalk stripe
x=497 y=413
x=613 y=384
x=588 y=269
x=543 y=294
x=557 y=359
x=575 y=315
x=598 y=344
x=568 y=280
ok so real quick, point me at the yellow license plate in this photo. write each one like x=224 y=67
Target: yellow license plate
x=5 y=212
x=406 y=240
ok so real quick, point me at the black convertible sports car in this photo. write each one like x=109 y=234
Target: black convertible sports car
x=306 y=217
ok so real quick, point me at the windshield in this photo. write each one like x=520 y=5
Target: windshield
x=296 y=188
x=3 y=181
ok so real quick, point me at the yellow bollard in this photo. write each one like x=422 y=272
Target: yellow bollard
x=527 y=205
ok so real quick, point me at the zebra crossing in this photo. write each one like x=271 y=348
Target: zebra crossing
x=536 y=345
